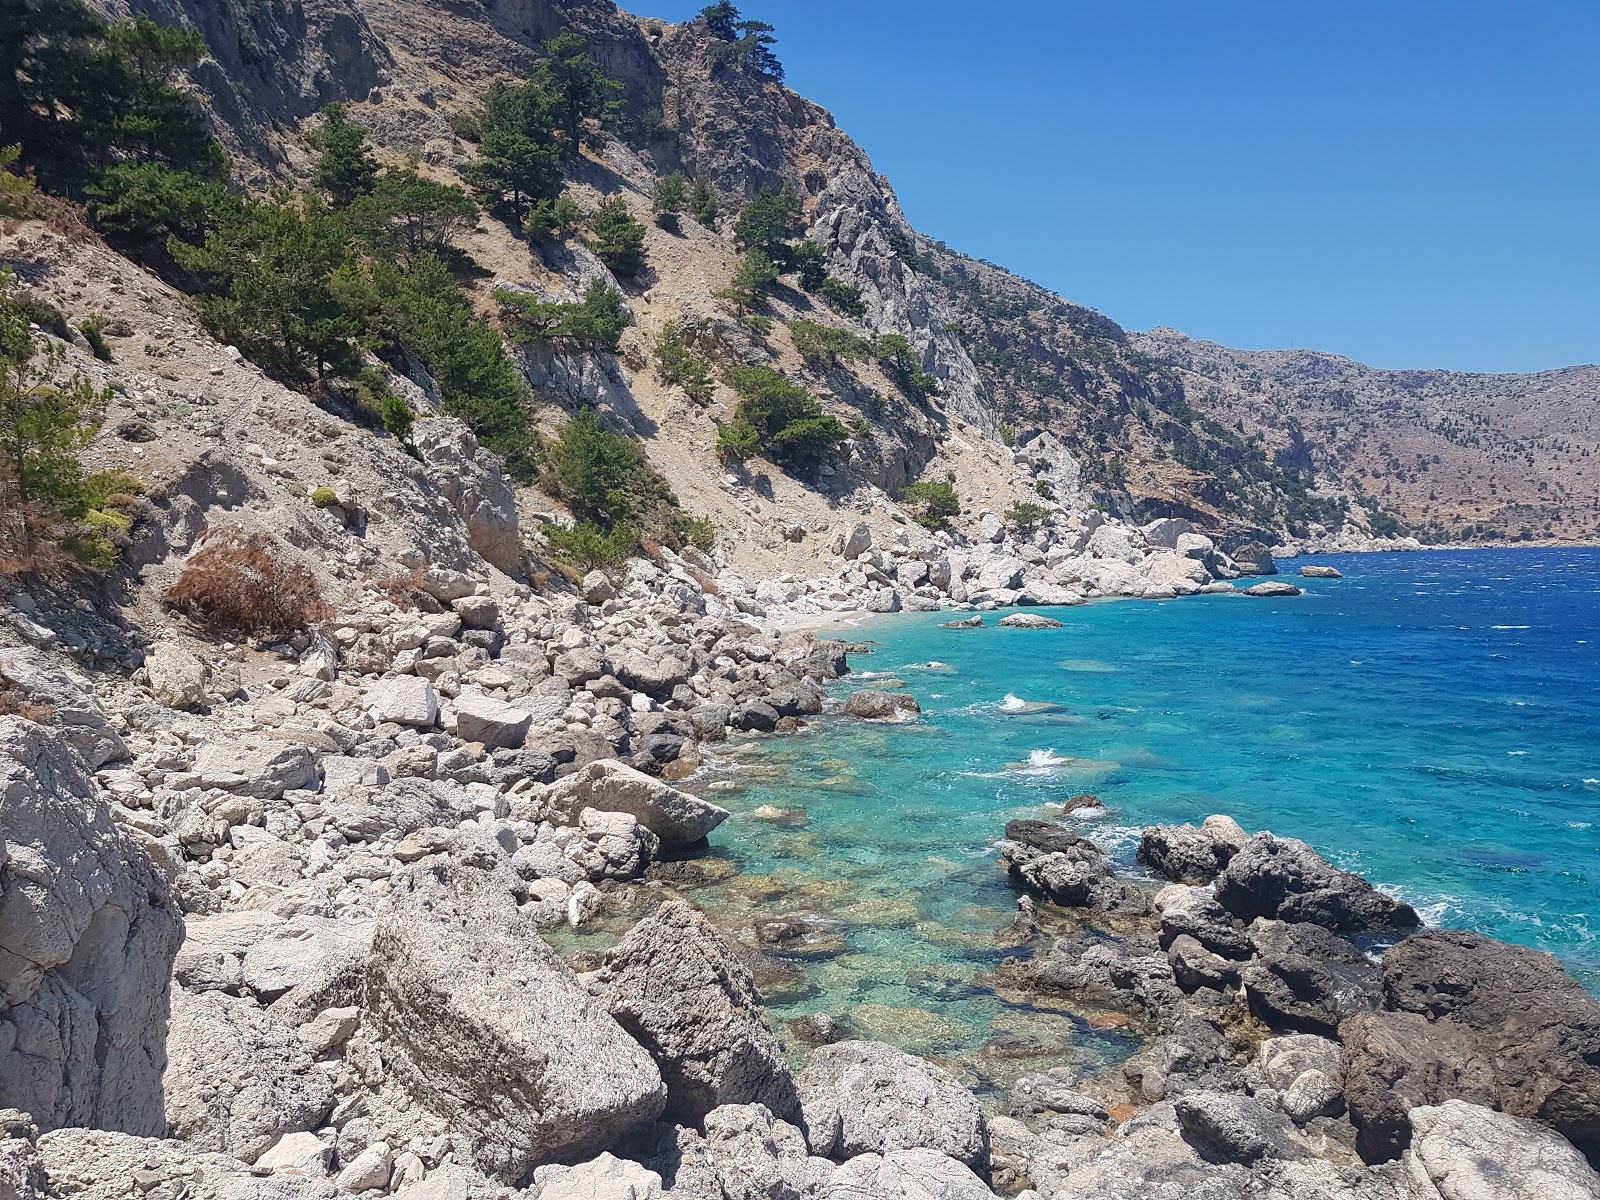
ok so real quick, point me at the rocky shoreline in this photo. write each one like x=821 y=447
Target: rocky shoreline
x=277 y=932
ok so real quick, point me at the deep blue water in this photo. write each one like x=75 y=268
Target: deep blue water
x=1429 y=721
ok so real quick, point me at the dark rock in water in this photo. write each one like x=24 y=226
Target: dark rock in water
x=802 y=935
x=1122 y=975
x=1193 y=1055
x=1394 y=1062
x=1228 y=1128
x=1048 y=837
x=778 y=980
x=868 y=1098
x=1078 y=803
x=755 y=716
x=1535 y=1024
x=1306 y=979
x=881 y=706
x=861 y=647
x=1053 y=1091
x=1285 y=879
x=818 y=1029
x=1068 y=869
x=969 y=623
x=1185 y=854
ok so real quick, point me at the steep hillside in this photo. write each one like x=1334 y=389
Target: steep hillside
x=1455 y=456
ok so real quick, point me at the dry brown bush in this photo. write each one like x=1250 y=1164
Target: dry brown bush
x=708 y=585
x=237 y=580
x=13 y=705
x=570 y=573
x=30 y=541
x=402 y=591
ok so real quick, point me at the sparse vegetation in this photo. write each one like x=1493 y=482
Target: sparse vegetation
x=826 y=346
x=670 y=198
x=594 y=323
x=1025 y=515
x=618 y=238
x=680 y=366
x=587 y=546
x=904 y=366
x=932 y=503
x=779 y=419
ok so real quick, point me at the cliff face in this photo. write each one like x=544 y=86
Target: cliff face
x=1152 y=424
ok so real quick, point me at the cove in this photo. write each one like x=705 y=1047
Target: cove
x=1427 y=721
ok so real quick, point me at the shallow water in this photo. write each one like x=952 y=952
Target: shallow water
x=1429 y=721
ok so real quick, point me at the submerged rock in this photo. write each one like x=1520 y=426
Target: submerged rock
x=968 y=623
x=881 y=706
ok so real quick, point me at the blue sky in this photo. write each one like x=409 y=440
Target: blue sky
x=1413 y=183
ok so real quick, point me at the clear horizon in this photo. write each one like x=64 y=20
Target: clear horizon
x=1411 y=187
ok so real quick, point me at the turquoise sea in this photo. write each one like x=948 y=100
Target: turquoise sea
x=1430 y=721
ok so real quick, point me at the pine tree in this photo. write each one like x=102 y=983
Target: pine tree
x=579 y=90
x=618 y=239
x=346 y=170
x=671 y=194
x=703 y=204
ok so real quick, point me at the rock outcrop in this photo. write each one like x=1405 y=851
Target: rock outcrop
x=88 y=932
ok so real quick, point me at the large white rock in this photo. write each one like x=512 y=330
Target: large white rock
x=674 y=816
x=264 y=769
x=1461 y=1151
x=1165 y=532
x=906 y=1175
x=605 y=1178
x=1116 y=542
x=404 y=700
x=177 y=678
x=1003 y=571
x=492 y=723
x=88 y=932
x=74 y=711
x=484 y=1026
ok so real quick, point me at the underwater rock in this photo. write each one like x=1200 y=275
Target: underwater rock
x=968 y=623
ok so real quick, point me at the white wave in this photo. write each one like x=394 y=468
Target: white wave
x=1511 y=627
x=1045 y=758
x=1516 y=753
x=1013 y=703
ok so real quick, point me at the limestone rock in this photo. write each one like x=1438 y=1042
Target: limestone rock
x=1028 y=621
x=404 y=700
x=1253 y=558
x=1271 y=588
x=611 y=845
x=472 y=485
x=605 y=1178
x=1232 y=1128
x=177 y=678
x=1463 y=1151
x=677 y=987
x=75 y=713
x=1321 y=572
x=674 y=816
x=1185 y=854
x=914 y=1174
x=484 y=1025
x=263 y=769
x=88 y=932
x=865 y=1098
x=490 y=722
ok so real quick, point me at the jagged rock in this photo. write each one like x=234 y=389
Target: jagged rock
x=756 y=1157
x=176 y=678
x=915 y=1174
x=1532 y=1022
x=1463 y=1151
x=1195 y=967
x=477 y=612
x=605 y=1178
x=967 y=623
x=1285 y=879
x=1394 y=1062
x=1305 y=978
x=1067 y=869
x=674 y=816
x=404 y=700
x=1109 y=973
x=93 y=1164
x=1232 y=1128
x=611 y=845
x=472 y=485
x=1194 y=911
x=74 y=711
x=1271 y=588
x=22 y=1176
x=874 y=705
x=1028 y=621
x=865 y=1097
x=484 y=1025
x=88 y=932
x=238 y=1077
x=1185 y=854
x=675 y=985
x=493 y=723
x=1305 y=1070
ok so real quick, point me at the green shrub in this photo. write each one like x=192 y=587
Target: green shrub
x=777 y=418
x=768 y=223
x=406 y=215
x=902 y=364
x=842 y=297
x=680 y=366
x=1026 y=515
x=93 y=330
x=703 y=204
x=752 y=281
x=618 y=238
x=811 y=265
x=700 y=533
x=587 y=546
x=593 y=470
x=346 y=171
x=671 y=196
x=546 y=219
x=932 y=503
x=1046 y=492
x=594 y=323
x=324 y=497
x=827 y=345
